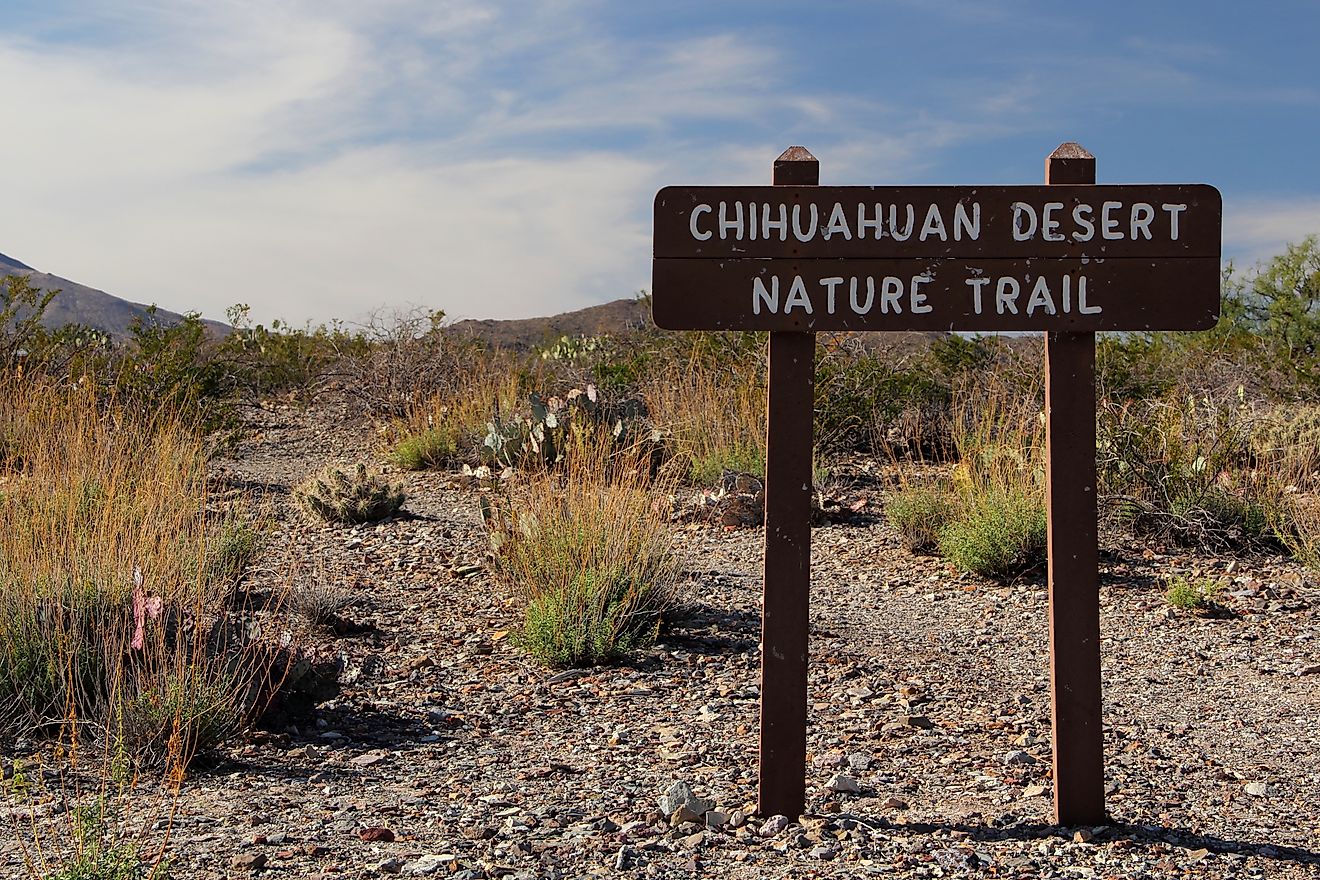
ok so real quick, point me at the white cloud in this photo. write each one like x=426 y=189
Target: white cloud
x=318 y=158
x=1257 y=229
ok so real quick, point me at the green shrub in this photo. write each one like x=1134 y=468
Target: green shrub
x=351 y=499
x=919 y=514
x=996 y=532
x=1192 y=594
x=862 y=394
x=588 y=551
x=433 y=448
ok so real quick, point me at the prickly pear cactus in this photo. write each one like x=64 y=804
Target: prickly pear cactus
x=350 y=498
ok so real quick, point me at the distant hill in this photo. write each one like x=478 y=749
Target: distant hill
x=524 y=334
x=79 y=304
x=623 y=315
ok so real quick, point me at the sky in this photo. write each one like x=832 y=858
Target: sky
x=325 y=159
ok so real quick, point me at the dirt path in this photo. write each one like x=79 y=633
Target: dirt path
x=927 y=689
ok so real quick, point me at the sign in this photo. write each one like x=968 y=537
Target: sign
x=971 y=258
x=1069 y=258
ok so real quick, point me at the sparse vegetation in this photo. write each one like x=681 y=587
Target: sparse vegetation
x=920 y=514
x=1192 y=593
x=586 y=549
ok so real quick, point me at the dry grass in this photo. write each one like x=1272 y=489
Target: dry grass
x=448 y=428
x=587 y=549
x=715 y=417
x=116 y=620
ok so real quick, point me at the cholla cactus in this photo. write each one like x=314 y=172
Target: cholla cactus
x=337 y=497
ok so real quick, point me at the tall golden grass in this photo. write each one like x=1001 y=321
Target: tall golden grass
x=115 y=617
x=586 y=547
x=715 y=418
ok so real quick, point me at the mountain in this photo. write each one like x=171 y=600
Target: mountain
x=79 y=304
x=524 y=334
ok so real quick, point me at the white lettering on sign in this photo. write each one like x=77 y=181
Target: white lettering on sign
x=896 y=295
x=1042 y=296
x=1050 y=221
x=752 y=220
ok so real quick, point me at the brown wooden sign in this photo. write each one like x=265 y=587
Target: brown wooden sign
x=1054 y=258
x=1069 y=258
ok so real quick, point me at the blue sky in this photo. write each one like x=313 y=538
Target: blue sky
x=319 y=159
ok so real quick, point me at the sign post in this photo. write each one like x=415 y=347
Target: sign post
x=785 y=609
x=1069 y=258
x=1073 y=567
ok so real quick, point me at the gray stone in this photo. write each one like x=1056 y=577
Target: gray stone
x=680 y=802
x=1018 y=758
x=428 y=864
x=842 y=784
x=774 y=825
x=859 y=761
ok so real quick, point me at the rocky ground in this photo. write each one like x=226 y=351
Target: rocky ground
x=449 y=753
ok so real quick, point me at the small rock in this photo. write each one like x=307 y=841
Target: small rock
x=1018 y=758
x=802 y=841
x=680 y=802
x=369 y=758
x=1033 y=791
x=918 y=721
x=692 y=841
x=824 y=852
x=623 y=858
x=774 y=825
x=1083 y=835
x=716 y=819
x=248 y=861
x=893 y=803
x=428 y=864
x=1257 y=789
x=737 y=819
x=859 y=761
x=842 y=784
x=829 y=761
x=390 y=866
x=376 y=835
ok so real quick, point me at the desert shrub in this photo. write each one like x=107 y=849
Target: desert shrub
x=919 y=514
x=172 y=368
x=349 y=498
x=261 y=361
x=108 y=583
x=862 y=394
x=587 y=550
x=1181 y=469
x=22 y=307
x=997 y=532
x=998 y=524
x=448 y=427
x=1192 y=594
x=401 y=359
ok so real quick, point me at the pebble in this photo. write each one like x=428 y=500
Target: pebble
x=841 y=784
x=774 y=826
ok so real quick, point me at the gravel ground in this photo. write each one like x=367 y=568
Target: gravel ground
x=450 y=753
